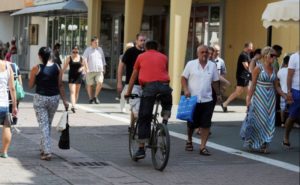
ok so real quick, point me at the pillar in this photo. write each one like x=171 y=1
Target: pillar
x=133 y=19
x=179 y=24
x=94 y=19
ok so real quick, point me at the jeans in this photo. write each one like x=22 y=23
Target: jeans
x=146 y=107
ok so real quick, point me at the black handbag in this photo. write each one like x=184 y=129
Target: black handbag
x=246 y=75
x=64 y=140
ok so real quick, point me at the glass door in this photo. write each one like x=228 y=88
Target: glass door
x=204 y=28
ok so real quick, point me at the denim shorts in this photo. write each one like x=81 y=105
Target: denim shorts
x=5 y=116
x=294 y=108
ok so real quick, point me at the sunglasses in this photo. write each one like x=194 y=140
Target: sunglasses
x=273 y=55
x=75 y=52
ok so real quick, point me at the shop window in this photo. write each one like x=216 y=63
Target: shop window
x=204 y=28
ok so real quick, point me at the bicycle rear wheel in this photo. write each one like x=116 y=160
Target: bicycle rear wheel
x=133 y=141
x=160 y=149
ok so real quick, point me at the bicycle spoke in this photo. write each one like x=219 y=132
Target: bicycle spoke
x=161 y=147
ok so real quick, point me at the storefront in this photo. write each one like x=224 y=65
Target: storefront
x=205 y=27
x=46 y=22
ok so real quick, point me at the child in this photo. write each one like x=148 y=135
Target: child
x=282 y=76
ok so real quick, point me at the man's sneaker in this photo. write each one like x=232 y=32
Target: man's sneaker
x=140 y=154
x=96 y=100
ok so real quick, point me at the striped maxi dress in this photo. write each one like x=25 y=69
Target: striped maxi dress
x=261 y=115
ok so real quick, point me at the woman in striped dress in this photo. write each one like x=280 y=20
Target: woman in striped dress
x=261 y=102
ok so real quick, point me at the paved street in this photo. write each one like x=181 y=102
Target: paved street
x=99 y=153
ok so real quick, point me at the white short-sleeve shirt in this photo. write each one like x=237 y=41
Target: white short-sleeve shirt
x=220 y=66
x=294 y=63
x=95 y=59
x=200 y=79
x=282 y=76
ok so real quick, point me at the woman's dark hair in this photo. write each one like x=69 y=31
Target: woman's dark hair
x=56 y=46
x=45 y=54
x=151 y=44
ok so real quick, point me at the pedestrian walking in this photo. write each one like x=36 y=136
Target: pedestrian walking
x=12 y=51
x=293 y=96
x=197 y=79
x=261 y=102
x=6 y=83
x=255 y=61
x=96 y=69
x=282 y=78
x=17 y=77
x=56 y=54
x=77 y=68
x=47 y=78
x=128 y=61
x=241 y=72
x=224 y=83
x=278 y=51
x=120 y=78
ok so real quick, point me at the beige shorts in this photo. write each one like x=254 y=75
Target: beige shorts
x=94 y=78
x=134 y=103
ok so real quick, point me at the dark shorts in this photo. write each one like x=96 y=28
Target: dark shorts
x=294 y=109
x=75 y=79
x=202 y=115
x=242 y=82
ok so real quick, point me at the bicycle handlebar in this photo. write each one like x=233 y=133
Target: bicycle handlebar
x=132 y=96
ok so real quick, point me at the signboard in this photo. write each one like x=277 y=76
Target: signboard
x=41 y=2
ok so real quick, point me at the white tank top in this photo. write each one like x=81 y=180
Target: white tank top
x=4 y=77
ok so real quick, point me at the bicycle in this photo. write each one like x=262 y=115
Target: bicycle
x=159 y=142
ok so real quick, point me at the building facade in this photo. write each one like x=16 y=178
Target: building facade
x=179 y=26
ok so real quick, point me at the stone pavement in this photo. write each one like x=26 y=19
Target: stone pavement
x=99 y=153
x=67 y=166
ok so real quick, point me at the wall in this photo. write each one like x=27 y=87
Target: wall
x=6 y=27
x=8 y=5
x=42 y=22
x=242 y=23
x=288 y=38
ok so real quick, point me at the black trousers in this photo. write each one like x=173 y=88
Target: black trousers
x=150 y=91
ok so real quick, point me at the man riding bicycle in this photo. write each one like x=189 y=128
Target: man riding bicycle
x=151 y=68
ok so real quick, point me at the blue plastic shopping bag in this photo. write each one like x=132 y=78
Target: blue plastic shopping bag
x=186 y=108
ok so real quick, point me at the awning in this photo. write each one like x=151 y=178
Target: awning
x=281 y=13
x=71 y=6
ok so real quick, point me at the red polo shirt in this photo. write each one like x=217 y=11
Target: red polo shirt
x=152 y=66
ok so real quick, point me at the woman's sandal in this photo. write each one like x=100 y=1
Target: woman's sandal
x=264 y=149
x=205 y=152
x=189 y=146
x=286 y=145
x=46 y=157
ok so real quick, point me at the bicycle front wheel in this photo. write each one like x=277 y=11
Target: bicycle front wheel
x=160 y=147
x=133 y=141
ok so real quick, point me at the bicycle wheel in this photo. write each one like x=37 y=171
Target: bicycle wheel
x=133 y=142
x=160 y=147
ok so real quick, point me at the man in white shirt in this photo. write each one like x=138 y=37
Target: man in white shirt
x=197 y=79
x=293 y=96
x=96 y=68
x=224 y=83
x=282 y=77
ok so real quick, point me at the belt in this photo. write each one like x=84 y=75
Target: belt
x=161 y=82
